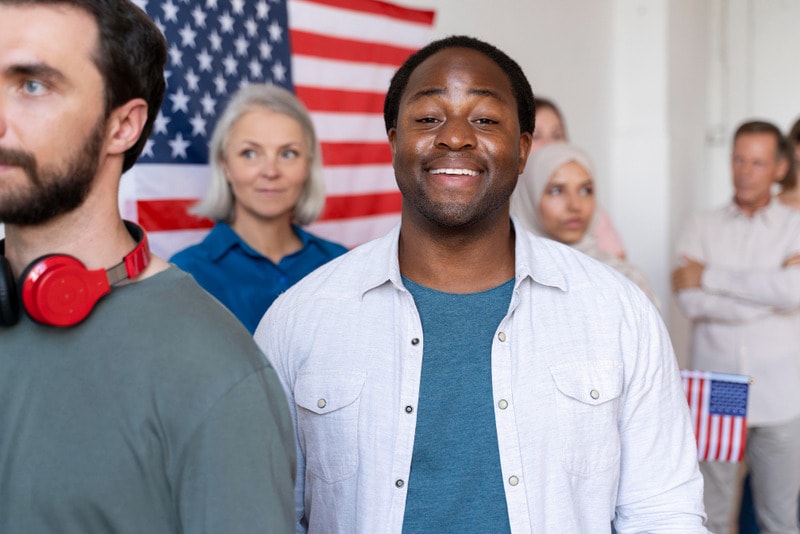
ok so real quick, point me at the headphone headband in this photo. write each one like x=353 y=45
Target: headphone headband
x=59 y=290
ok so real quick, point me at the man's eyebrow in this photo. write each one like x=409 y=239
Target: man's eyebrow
x=36 y=70
x=439 y=91
x=431 y=91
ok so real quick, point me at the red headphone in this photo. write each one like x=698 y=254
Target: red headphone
x=58 y=290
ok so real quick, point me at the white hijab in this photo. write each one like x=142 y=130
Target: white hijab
x=527 y=197
x=531 y=185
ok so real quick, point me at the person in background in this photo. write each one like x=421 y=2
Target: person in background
x=738 y=281
x=130 y=400
x=550 y=125
x=789 y=195
x=551 y=128
x=556 y=199
x=462 y=375
x=266 y=181
x=790 y=186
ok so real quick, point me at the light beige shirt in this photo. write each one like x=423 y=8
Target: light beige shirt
x=746 y=315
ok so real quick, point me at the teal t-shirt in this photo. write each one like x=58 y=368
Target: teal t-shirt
x=456 y=484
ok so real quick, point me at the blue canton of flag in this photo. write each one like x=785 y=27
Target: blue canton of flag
x=728 y=398
x=215 y=47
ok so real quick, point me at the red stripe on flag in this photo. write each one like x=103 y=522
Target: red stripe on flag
x=356 y=153
x=170 y=214
x=350 y=206
x=699 y=416
x=380 y=8
x=318 y=99
x=314 y=44
x=742 y=443
x=719 y=438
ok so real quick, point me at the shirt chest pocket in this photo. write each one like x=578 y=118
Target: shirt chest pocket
x=327 y=421
x=587 y=403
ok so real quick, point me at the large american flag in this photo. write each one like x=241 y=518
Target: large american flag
x=718 y=404
x=338 y=57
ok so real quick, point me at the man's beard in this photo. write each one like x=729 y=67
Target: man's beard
x=53 y=190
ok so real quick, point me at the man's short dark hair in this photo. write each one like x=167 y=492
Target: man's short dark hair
x=781 y=144
x=757 y=127
x=131 y=55
x=519 y=83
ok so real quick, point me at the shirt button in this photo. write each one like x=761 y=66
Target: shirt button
x=513 y=480
x=409 y=409
x=594 y=394
x=415 y=341
x=503 y=404
x=321 y=403
x=501 y=336
x=399 y=483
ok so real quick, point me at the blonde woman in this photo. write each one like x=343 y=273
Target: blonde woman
x=266 y=181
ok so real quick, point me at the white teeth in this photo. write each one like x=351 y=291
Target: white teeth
x=463 y=172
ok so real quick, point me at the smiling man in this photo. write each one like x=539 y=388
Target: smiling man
x=739 y=282
x=130 y=400
x=461 y=375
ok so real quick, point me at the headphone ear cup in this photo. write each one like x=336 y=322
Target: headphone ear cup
x=58 y=290
x=9 y=300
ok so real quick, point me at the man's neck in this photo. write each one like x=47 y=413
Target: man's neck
x=750 y=209
x=458 y=261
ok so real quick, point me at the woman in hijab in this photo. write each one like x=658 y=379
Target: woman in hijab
x=556 y=200
x=551 y=128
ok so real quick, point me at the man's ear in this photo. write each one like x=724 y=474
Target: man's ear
x=782 y=169
x=125 y=125
x=392 y=133
x=525 y=140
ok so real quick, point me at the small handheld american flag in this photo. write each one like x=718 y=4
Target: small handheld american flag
x=718 y=404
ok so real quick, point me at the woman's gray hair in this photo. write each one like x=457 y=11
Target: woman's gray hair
x=218 y=201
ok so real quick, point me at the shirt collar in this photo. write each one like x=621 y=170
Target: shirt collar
x=533 y=259
x=765 y=214
x=222 y=238
x=386 y=268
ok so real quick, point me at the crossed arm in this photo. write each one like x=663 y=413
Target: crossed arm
x=736 y=296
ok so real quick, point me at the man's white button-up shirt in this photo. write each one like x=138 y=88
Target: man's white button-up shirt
x=592 y=421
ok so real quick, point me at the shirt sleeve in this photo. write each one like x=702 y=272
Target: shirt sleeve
x=660 y=487
x=237 y=471
x=778 y=288
x=700 y=305
x=703 y=303
x=268 y=336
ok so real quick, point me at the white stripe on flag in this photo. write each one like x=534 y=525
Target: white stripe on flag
x=372 y=27
x=186 y=181
x=358 y=230
x=349 y=127
x=335 y=74
x=359 y=179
